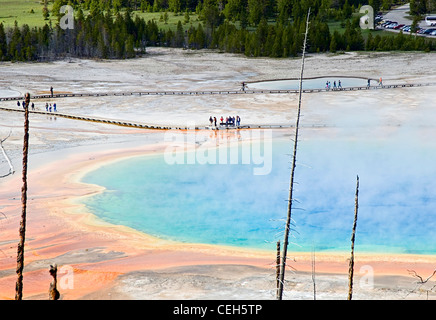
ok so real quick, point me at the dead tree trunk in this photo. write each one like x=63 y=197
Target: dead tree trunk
x=278 y=266
x=353 y=237
x=313 y=274
x=20 y=251
x=53 y=292
x=291 y=183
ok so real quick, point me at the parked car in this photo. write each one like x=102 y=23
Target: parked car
x=428 y=31
x=392 y=25
x=398 y=27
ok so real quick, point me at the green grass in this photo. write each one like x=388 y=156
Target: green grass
x=20 y=11
x=172 y=22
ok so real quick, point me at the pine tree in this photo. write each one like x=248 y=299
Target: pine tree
x=210 y=14
x=180 y=35
x=284 y=8
x=56 y=8
x=277 y=48
x=200 y=37
x=45 y=11
x=334 y=42
x=174 y=6
x=130 y=48
x=255 y=11
x=3 y=44
x=15 y=44
x=369 y=46
x=186 y=18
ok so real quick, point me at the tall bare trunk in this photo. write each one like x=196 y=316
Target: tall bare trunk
x=353 y=237
x=53 y=291
x=278 y=267
x=313 y=274
x=291 y=183
x=20 y=252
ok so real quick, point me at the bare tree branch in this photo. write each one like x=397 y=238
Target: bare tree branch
x=421 y=280
x=11 y=167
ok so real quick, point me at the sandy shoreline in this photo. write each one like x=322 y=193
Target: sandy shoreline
x=117 y=262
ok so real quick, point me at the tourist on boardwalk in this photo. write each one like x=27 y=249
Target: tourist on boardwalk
x=369 y=83
x=33 y=106
x=238 y=121
x=51 y=91
x=380 y=82
x=243 y=86
x=210 y=120
x=214 y=120
x=222 y=119
x=18 y=103
x=46 y=106
x=339 y=84
x=54 y=107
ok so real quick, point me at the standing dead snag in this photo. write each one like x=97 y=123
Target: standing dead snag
x=53 y=292
x=291 y=183
x=313 y=274
x=20 y=251
x=353 y=237
x=278 y=266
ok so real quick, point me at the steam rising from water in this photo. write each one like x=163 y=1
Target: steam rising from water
x=227 y=204
x=385 y=137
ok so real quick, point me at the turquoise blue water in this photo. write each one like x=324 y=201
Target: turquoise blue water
x=318 y=83
x=228 y=205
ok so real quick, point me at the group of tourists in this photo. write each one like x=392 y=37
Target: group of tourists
x=328 y=85
x=380 y=82
x=24 y=105
x=229 y=121
x=48 y=107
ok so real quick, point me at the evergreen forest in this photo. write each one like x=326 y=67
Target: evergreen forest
x=115 y=29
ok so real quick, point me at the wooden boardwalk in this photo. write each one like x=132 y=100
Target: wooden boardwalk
x=216 y=92
x=158 y=127
x=132 y=124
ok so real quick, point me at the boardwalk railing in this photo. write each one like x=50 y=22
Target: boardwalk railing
x=131 y=124
x=216 y=92
x=164 y=127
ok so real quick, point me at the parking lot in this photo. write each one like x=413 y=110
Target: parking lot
x=397 y=20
